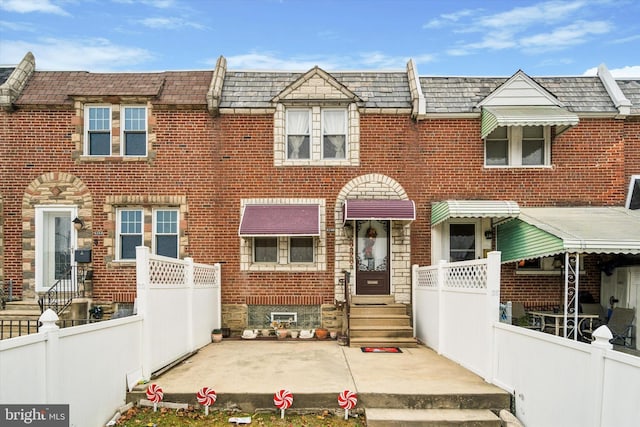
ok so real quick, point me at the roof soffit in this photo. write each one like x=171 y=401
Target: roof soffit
x=316 y=85
x=520 y=89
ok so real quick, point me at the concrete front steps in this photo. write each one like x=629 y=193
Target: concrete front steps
x=468 y=410
x=377 y=321
x=378 y=417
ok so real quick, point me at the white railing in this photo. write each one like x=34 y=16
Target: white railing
x=89 y=367
x=554 y=381
x=455 y=305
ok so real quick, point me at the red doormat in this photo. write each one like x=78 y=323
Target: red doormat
x=380 y=350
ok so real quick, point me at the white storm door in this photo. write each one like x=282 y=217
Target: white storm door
x=55 y=243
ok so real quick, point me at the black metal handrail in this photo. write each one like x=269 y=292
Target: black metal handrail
x=71 y=284
x=347 y=301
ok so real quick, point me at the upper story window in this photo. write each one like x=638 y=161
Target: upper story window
x=316 y=136
x=518 y=146
x=115 y=130
x=98 y=134
x=298 y=134
x=134 y=131
x=334 y=133
x=633 y=196
x=304 y=124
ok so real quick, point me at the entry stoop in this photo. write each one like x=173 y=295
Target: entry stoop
x=377 y=321
x=377 y=417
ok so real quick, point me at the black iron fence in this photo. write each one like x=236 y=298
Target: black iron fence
x=11 y=328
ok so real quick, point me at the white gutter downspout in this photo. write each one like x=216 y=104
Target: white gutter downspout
x=418 y=101
x=619 y=100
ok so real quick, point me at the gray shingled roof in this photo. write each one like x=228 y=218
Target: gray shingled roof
x=4 y=74
x=249 y=89
x=462 y=94
x=56 y=87
x=579 y=94
x=631 y=90
x=457 y=94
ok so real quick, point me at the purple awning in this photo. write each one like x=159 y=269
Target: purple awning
x=399 y=210
x=280 y=220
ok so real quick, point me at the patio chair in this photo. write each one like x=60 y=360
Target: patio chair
x=621 y=326
x=587 y=326
x=520 y=317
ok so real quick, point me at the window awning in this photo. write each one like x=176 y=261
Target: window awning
x=539 y=232
x=398 y=210
x=280 y=220
x=534 y=115
x=442 y=211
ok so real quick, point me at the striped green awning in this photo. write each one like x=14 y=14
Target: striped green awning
x=540 y=232
x=442 y=211
x=533 y=115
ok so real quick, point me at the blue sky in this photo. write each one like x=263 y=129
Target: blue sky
x=461 y=37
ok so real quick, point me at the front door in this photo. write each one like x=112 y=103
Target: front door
x=372 y=257
x=55 y=242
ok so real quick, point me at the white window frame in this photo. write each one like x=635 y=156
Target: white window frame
x=309 y=134
x=124 y=131
x=514 y=148
x=253 y=250
x=87 y=130
x=446 y=236
x=119 y=234
x=343 y=132
x=155 y=232
x=313 y=249
x=632 y=183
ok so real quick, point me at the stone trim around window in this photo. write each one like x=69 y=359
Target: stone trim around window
x=148 y=204
x=352 y=155
x=283 y=264
x=117 y=108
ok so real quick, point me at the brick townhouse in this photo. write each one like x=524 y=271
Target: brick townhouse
x=292 y=179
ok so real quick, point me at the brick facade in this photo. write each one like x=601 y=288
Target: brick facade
x=208 y=165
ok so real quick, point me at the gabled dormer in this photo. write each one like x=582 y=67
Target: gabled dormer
x=316 y=122
x=519 y=120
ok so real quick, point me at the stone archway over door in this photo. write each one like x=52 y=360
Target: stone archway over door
x=376 y=188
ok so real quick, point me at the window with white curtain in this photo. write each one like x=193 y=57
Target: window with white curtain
x=316 y=134
x=298 y=134
x=334 y=133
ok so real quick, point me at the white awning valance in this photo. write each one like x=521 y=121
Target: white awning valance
x=534 y=115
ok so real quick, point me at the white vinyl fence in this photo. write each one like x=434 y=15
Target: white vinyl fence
x=88 y=367
x=554 y=381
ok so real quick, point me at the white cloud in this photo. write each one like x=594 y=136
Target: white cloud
x=269 y=61
x=159 y=4
x=172 y=23
x=547 y=12
x=87 y=55
x=29 y=6
x=365 y=61
x=628 y=71
x=448 y=18
x=565 y=36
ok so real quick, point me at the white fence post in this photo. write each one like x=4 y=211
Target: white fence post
x=599 y=347
x=414 y=285
x=52 y=356
x=441 y=280
x=190 y=291
x=493 y=309
x=218 y=268
x=143 y=282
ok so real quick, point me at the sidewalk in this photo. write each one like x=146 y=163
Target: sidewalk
x=247 y=373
